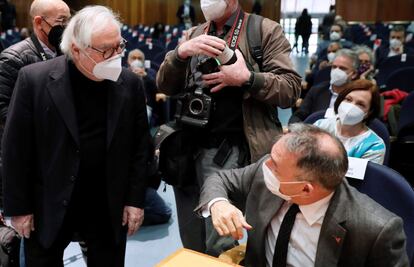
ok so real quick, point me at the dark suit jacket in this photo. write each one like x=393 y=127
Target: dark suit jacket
x=316 y=99
x=382 y=53
x=41 y=147
x=356 y=231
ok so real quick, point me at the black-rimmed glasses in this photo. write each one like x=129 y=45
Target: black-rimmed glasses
x=110 y=52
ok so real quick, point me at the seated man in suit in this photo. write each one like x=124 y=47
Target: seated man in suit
x=300 y=211
x=323 y=95
x=394 y=47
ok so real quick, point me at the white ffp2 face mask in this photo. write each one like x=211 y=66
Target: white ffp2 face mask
x=395 y=43
x=350 y=114
x=109 y=69
x=273 y=183
x=213 y=9
x=338 y=77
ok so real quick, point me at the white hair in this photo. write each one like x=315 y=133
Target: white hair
x=40 y=7
x=87 y=21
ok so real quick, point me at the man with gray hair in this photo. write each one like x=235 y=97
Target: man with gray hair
x=299 y=209
x=322 y=96
x=75 y=147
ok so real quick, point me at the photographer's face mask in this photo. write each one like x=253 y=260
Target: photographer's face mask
x=213 y=9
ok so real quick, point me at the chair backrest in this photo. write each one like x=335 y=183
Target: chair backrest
x=376 y=125
x=392 y=191
x=322 y=75
x=401 y=79
x=312 y=118
x=390 y=65
x=381 y=130
x=406 y=113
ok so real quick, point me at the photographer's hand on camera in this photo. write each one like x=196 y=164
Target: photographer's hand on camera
x=229 y=75
x=202 y=45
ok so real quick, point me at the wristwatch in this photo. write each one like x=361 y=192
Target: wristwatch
x=249 y=82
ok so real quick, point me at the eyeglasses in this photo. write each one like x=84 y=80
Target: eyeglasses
x=110 y=52
x=59 y=21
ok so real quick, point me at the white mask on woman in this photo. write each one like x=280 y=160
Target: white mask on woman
x=213 y=9
x=350 y=114
x=273 y=183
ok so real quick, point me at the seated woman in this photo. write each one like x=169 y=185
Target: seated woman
x=356 y=106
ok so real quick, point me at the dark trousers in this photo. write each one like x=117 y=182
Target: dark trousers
x=198 y=233
x=103 y=251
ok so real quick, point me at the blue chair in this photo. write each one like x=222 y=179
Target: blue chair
x=390 y=65
x=402 y=148
x=159 y=58
x=376 y=125
x=401 y=79
x=406 y=114
x=391 y=190
x=151 y=51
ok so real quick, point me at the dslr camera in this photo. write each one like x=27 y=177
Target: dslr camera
x=194 y=107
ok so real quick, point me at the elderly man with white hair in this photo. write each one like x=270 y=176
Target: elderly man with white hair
x=75 y=147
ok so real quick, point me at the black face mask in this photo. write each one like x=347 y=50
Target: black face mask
x=55 y=37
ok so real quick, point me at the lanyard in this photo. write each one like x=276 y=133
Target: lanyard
x=233 y=40
x=39 y=47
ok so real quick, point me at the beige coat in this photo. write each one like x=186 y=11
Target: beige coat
x=276 y=85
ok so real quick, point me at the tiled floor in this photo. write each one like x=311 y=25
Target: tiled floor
x=151 y=244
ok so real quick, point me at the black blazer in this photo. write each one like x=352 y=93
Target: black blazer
x=41 y=147
x=382 y=53
x=318 y=98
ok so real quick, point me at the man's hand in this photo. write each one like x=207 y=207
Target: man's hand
x=23 y=224
x=140 y=72
x=133 y=217
x=228 y=220
x=201 y=45
x=229 y=75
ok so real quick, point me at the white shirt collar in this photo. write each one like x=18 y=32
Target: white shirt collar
x=332 y=91
x=315 y=211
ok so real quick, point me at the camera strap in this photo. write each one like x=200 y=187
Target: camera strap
x=233 y=39
x=39 y=47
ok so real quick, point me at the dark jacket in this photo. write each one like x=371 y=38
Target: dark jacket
x=316 y=99
x=382 y=53
x=356 y=231
x=12 y=59
x=41 y=154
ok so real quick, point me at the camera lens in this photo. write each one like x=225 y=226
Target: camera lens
x=227 y=57
x=196 y=106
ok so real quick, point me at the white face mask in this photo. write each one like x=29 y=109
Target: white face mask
x=338 y=77
x=395 y=43
x=331 y=56
x=273 y=183
x=137 y=64
x=334 y=36
x=350 y=114
x=213 y=9
x=109 y=69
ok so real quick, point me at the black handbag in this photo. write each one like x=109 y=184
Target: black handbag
x=173 y=155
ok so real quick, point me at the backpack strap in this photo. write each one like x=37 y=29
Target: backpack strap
x=254 y=38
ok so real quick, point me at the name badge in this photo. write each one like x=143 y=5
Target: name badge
x=330 y=113
x=147 y=64
x=356 y=168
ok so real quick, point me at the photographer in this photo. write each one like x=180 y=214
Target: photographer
x=230 y=110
